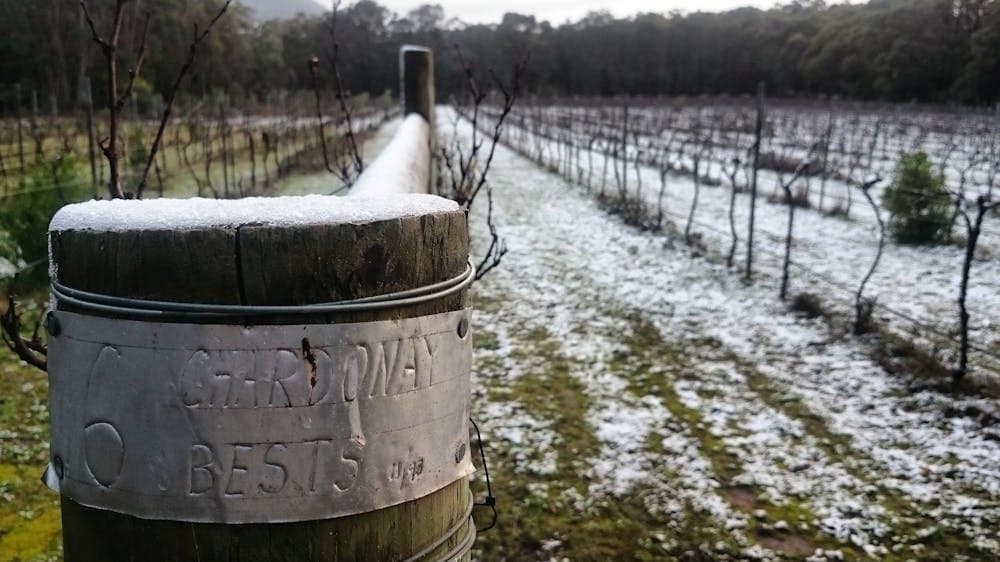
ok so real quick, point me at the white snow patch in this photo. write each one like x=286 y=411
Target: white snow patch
x=122 y=215
x=403 y=166
x=580 y=274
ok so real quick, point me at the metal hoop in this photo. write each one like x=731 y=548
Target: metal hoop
x=150 y=309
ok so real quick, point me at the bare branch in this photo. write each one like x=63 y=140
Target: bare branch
x=31 y=351
x=467 y=169
x=863 y=307
x=477 y=95
x=345 y=110
x=313 y=66
x=93 y=26
x=109 y=48
x=498 y=248
x=172 y=94
x=510 y=97
x=133 y=72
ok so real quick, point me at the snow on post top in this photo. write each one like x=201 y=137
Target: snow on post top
x=403 y=166
x=189 y=214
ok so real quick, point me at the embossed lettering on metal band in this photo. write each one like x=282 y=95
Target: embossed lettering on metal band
x=152 y=310
x=232 y=424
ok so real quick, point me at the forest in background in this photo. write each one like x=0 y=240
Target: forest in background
x=937 y=51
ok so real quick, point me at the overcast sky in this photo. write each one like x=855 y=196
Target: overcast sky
x=558 y=11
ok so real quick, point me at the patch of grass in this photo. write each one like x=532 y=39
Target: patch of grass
x=485 y=340
x=800 y=198
x=808 y=305
x=633 y=212
x=552 y=514
x=486 y=303
x=556 y=396
x=30 y=525
x=901 y=356
x=556 y=516
x=647 y=350
x=834 y=445
x=907 y=518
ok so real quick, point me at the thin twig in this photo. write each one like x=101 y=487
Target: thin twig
x=498 y=247
x=109 y=48
x=345 y=110
x=172 y=94
x=862 y=307
x=133 y=72
x=33 y=351
x=313 y=66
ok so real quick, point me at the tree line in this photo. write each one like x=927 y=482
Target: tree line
x=939 y=51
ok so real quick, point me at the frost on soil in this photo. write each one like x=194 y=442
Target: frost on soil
x=637 y=402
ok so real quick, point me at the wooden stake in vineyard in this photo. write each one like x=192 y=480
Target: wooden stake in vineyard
x=758 y=130
x=88 y=94
x=20 y=132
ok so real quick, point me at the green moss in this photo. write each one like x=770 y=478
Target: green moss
x=833 y=444
x=654 y=443
x=550 y=391
x=487 y=303
x=29 y=513
x=30 y=526
x=485 y=340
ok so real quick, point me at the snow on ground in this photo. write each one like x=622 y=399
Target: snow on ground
x=639 y=400
x=957 y=143
x=6 y=268
x=831 y=255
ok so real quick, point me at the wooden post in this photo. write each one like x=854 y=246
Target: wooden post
x=417 y=90
x=271 y=265
x=20 y=132
x=134 y=108
x=222 y=139
x=624 y=154
x=248 y=130
x=827 y=139
x=417 y=81
x=263 y=263
x=35 y=133
x=91 y=153
x=758 y=131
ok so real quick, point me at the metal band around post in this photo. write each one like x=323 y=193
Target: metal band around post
x=149 y=309
x=264 y=424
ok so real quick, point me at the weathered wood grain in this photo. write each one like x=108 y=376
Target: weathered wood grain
x=269 y=265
